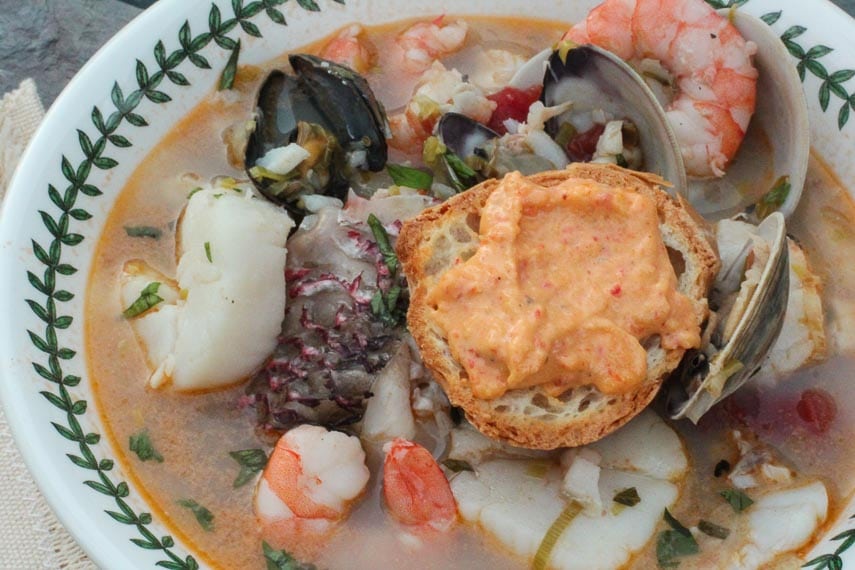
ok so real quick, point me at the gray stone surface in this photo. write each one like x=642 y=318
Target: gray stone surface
x=50 y=40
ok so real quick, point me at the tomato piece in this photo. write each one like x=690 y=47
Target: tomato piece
x=817 y=409
x=581 y=148
x=511 y=103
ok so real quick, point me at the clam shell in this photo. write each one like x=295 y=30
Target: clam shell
x=777 y=142
x=755 y=333
x=595 y=79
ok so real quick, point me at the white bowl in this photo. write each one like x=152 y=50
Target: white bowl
x=67 y=184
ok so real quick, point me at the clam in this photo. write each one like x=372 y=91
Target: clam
x=777 y=142
x=313 y=130
x=596 y=81
x=749 y=300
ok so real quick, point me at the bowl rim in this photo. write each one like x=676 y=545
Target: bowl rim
x=71 y=101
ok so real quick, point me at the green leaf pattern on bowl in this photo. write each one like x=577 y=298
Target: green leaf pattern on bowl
x=47 y=288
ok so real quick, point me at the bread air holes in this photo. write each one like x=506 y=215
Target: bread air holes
x=650 y=342
x=473 y=220
x=678 y=262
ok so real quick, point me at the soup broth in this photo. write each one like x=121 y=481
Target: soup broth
x=194 y=433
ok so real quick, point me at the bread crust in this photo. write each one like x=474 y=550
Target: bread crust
x=447 y=233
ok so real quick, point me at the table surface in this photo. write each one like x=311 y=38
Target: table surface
x=50 y=40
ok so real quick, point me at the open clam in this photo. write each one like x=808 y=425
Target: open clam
x=748 y=301
x=313 y=130
x=594 y=82
x=777 y=142
x=580 y=85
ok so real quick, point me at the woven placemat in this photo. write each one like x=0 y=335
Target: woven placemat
x=32 y=537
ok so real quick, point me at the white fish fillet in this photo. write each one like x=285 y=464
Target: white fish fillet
x=388 y=413
x=231 y=270
x=516 y=505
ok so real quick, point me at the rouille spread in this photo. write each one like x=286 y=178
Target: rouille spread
x=566 y=284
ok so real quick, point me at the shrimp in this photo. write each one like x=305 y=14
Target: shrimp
x=438 y=91
x=709 y=61
x=312 y=478
x=425 y=42
x=415 y=488
x=350 y=48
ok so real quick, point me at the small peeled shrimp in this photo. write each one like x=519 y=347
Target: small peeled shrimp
x=425 y=42
x=311 y=479
x=352 y=49
x=415 y=488
x=709 y=61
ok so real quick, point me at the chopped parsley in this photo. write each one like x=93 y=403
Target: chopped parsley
x=227 y=79
x=193 y=191
x=140 y=443
x=281 y=560
x=148 y=298
x=203 y=516
x=251 y=461
x=143 y=232
x=713 y=530
x=409 y=177
x=674 y=543
x=774 y=198
x=628 y=497
x=737 y=499
x=208 y=252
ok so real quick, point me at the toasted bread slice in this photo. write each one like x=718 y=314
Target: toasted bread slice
x=446 y=234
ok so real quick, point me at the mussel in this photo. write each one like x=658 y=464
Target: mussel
x=313 y=131
x=749 y=300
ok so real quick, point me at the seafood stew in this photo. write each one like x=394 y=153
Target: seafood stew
x=263 y=389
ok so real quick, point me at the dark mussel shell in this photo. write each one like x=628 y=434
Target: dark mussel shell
x=595 y=79
x=335 y=104
x=462 y=135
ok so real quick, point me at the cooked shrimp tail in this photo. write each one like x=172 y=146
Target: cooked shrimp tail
x=415 y=488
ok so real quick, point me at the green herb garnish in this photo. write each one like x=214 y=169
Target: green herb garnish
x=389 y=306
x=409 y=177
x=713 y=530
x=148 y=298
x=390 y=258
x=208 y=252
x=628 y=497
x=774 y=198
x=674 y=543
x=621 y=160
x=193 y=191
x=203 y=516
x=251 y=461
x=462 y=176
x=281 y=560
x=140 y=443
x=544 y=551
x=143 y=232
x=457 y=465
x=737 y=499
x=227 y=79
